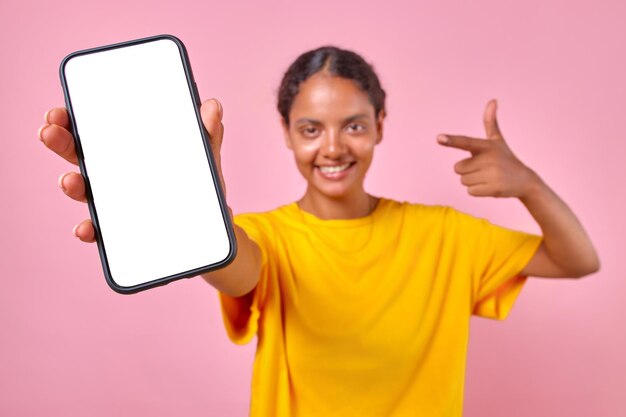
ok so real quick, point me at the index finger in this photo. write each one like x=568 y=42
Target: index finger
x=58 y=116
x=466 y=143
x=56 y=135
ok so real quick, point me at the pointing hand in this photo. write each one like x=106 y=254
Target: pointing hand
x=492 y=170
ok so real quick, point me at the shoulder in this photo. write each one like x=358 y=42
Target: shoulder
x=278 y=214
x=267 y=222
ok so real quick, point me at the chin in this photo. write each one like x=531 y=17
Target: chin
x=334 y=191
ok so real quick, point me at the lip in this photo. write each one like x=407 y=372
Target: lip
x=334 y=176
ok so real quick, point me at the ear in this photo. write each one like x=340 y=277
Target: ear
x=285 y=127
x=379 y=125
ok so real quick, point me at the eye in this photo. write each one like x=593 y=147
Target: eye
x=309 y=131
x=355 y=128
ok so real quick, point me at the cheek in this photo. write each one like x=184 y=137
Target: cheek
x=306 y=152
x=365 y=150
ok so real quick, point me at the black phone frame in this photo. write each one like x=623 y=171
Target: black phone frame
x=210 y=159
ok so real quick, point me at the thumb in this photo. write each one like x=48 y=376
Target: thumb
x=211 y=112
x=491 y=123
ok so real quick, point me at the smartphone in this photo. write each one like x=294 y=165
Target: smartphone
x=154 y=194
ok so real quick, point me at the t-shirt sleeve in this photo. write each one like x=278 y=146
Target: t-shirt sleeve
x=241 y=318
x=498 y=255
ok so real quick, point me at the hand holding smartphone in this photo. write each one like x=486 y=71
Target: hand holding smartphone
x=152 y=186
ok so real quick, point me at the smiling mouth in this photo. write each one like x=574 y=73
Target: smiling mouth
x=335 y=168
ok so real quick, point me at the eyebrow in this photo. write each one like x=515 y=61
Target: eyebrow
x=304 y=120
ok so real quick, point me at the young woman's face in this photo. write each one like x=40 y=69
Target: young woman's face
x=332 y=132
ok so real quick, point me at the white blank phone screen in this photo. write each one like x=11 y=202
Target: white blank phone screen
x=144 y=155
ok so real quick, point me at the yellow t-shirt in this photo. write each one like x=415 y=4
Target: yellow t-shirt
x=370 y=316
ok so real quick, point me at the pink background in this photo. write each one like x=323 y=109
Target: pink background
x=70 y=346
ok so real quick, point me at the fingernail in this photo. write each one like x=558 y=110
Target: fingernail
x=74 y=230
x=442 y=139
x=45 y=116
x=40 y=131
x=61 y=180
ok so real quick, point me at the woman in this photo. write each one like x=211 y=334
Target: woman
x=362 y=304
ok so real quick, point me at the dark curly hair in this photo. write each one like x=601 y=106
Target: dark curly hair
x=340 y=62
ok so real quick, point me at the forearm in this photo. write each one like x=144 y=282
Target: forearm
x=242 y=274
x=564 y=238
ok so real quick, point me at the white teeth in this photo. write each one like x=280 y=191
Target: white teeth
x=331 y=170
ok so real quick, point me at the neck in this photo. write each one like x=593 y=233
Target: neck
x=358 y=204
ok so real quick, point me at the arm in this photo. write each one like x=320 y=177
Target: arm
x=566 y=250
x=493 y=170
x=242 y=274
x=239 y=277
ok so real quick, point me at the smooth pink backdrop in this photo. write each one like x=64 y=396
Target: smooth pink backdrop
x=72 y=347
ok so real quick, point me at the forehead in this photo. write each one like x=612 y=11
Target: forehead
x=326 y=97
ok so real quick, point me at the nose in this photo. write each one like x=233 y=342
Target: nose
x=333 y=146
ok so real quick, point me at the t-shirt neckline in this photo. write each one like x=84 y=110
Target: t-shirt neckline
x=297 y=213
